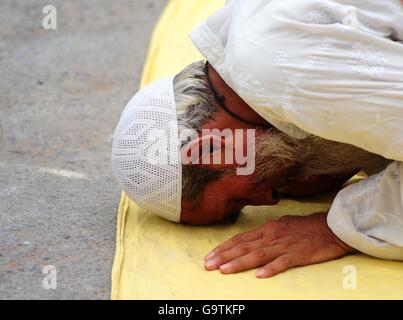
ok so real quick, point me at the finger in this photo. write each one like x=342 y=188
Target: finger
x=251 y=260
x=280 y=264
x=235 y=252
x=247 y=236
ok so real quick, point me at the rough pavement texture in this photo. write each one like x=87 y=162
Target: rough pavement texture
x=61 y=93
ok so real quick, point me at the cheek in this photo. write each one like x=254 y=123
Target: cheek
x=252 y=193
x=241 y=186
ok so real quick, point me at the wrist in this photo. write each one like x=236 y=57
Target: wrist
x=337 y=240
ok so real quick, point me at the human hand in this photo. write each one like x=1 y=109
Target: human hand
x=278 y=245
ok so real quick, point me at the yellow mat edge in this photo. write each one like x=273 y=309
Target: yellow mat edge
x=119 y=250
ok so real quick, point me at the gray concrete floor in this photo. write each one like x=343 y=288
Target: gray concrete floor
x=61 y=93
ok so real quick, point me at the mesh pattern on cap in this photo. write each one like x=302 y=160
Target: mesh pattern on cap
x=145 y=152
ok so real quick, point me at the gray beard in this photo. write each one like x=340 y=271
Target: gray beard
x=311 y=156
x=331 y=157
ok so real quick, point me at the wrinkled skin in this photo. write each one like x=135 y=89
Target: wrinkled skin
x=278 y=245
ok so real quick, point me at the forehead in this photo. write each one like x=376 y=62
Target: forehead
x=211 y=208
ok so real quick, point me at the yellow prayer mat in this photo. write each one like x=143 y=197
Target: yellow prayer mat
x=156 y=259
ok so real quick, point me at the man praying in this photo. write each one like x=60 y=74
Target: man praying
x=300 y=96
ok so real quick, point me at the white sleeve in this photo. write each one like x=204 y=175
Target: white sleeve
x=368 y=215
x=332 y=68
x=384 y=18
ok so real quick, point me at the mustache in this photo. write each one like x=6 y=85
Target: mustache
x=276 y=152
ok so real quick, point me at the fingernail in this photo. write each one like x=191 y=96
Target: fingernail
x=225 y=268
x=210 y=265
x=209 y=256
x=261 y=273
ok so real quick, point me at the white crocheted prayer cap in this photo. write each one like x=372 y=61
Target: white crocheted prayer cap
x=146 y=151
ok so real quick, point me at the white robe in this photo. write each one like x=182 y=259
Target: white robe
x=332 y=68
